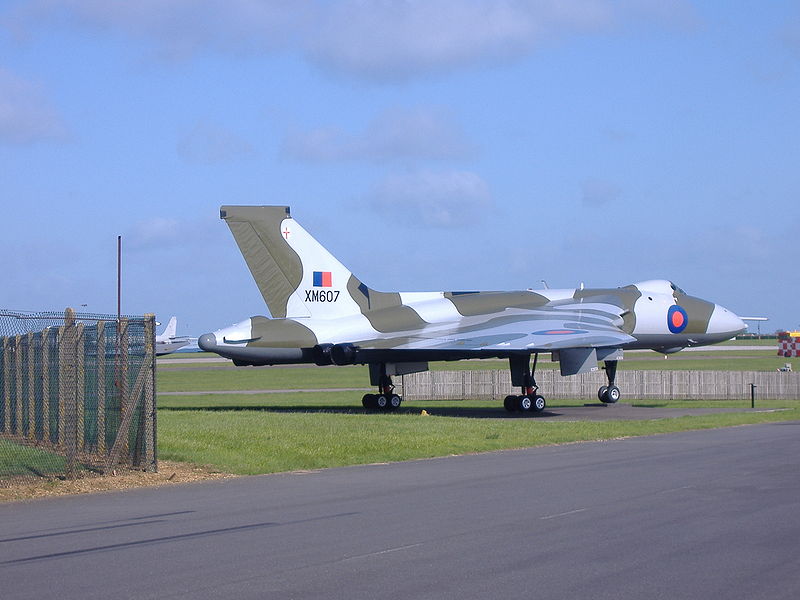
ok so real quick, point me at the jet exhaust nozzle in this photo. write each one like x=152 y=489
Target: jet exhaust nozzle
x=343 y=354
x=322 y=354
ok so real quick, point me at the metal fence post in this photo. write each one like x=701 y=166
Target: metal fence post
x=101 y=387
x=62 y=381
x=6 y=385
x=32 y=357
x=122 y=382
x=80 y=387
x=68 y=391
x=46 y=385
x=149 y=409
x=18 y=391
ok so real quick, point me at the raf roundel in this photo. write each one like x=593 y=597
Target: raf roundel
x=677 y=319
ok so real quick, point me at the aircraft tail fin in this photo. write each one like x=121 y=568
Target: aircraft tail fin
x=295 y=274
x=171 y=329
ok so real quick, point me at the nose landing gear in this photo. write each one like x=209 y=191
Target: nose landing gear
x=609 y=394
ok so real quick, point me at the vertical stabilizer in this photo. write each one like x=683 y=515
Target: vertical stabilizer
x=296 y=275
x=170 y=331
x=172 y=328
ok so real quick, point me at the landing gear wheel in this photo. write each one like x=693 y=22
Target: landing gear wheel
x=538 y=403
x=510 y=403
x=368 y=401
x=382 y=402
x=394 y=402
x=610 y=394
x=524 y=403
x=601 y=393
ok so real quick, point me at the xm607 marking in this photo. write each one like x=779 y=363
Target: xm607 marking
x=322 y=295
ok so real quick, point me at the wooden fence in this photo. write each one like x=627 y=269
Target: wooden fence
x=656 y=385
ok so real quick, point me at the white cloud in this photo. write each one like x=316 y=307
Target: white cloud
x=207 y=143
x=26 y=115
x=391 y=40
x=380 y=40
x=439 y=199
x=180 y=28
x=396 y=134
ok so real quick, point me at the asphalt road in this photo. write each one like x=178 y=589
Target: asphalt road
x=709 y=514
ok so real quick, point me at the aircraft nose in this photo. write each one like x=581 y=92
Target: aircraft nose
x=724 y=321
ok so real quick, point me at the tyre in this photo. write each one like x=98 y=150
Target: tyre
x=368 y=401
x=524 y=403
x=613 y=394
x=394 y=402
x=381 y=402
x=510 y=403
x=601 y=393
x=539 y=403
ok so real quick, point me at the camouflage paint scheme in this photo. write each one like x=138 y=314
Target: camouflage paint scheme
x=323 y=314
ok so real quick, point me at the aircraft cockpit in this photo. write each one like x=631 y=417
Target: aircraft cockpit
x=675 y=288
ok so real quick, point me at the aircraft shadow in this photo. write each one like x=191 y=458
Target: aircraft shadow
x=490 y=412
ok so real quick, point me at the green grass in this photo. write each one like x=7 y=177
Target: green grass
x=251 y=442
x=266 y=433
x=183 y=355
x=248 y=378
x=16 y=459
x=773 y=342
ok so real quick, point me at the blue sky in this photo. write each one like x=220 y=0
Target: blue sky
x=430 y=145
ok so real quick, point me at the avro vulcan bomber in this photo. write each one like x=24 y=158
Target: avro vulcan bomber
x=322 y=314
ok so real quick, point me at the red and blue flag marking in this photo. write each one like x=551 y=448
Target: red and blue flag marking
x=322 y=279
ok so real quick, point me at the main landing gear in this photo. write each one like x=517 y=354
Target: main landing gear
x=385 y=399
x=522 y=376
x=609 y=394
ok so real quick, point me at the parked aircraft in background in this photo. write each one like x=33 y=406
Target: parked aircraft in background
x=323 y=314
x=168 y=341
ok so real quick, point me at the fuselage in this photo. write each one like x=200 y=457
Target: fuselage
x=656 y=315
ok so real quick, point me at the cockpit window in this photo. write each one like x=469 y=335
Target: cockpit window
x=675 y=288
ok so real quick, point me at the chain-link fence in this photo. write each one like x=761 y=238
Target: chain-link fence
x=77 y=394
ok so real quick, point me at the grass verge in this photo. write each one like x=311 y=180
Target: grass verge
x=19 y=460
x=251 y=442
